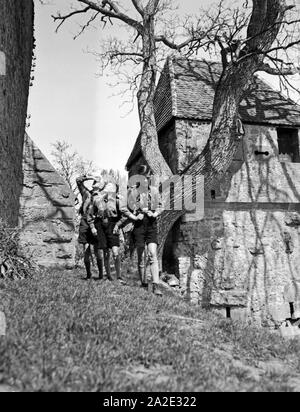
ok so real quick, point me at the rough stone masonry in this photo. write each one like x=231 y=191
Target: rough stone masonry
x=32 y=194
x=47 y=213
x=242 y=259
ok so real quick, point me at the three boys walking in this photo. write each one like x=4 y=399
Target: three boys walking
x=104 y=213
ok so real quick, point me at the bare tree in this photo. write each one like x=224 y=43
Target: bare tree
x=70 y=164
x=256 y=36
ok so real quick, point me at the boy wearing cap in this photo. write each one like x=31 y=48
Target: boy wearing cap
x=103 y=216
x=86 y=237
x=143 y=208
x=111 y=225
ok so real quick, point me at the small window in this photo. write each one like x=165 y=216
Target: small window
x=288 y=145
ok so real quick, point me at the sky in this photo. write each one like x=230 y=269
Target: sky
x=70 y=101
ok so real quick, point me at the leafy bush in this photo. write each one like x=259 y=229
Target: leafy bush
x=12 y=264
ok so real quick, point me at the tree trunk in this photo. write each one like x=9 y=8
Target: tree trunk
x=226 y=130
x=149 y=136
x=225 y=135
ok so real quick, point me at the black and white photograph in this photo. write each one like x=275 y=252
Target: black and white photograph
x=149 y=199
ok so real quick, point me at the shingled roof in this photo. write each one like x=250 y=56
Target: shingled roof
x=186 y=91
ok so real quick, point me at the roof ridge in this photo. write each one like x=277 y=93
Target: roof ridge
x=173 y=87
x=281 y=94
x=203 y=60
x=189 y=89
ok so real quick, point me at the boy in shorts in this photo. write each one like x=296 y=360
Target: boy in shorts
x=103 y=218
x=143 y=210
x=86 y=237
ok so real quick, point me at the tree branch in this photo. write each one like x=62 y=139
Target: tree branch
x=288 y=46
x=67 y=16
x=163 y=39
x=85 y=26
x=112 y=11
x=271 y=50
x=152 y=7
x=288 y=23
x=265 y=23
x=138 y=7
x=277 y=71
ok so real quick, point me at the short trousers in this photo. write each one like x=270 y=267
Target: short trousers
x=108 y=230
x=145 y=232
x=86 y=236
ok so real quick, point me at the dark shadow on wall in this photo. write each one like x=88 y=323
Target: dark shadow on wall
x=204 y=246
x=266 y=172
x=196 y=83
x=169 y=261
x=195 y=86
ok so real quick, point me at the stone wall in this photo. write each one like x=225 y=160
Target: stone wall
x=47 y=213
x=16 y=43
x=243 y=258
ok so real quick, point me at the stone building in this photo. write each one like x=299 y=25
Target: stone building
x=47 y=214
x=243 y=258
x=32 y=194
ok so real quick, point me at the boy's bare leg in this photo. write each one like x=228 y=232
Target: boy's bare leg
x=107 y=264
x=87 y=260
x=117 y=262
x=141 y=265
x=154 y=267
x=99 y=258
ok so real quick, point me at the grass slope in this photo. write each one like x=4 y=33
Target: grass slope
x=68 y=335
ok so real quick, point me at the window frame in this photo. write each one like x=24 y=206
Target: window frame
x=294 y=146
